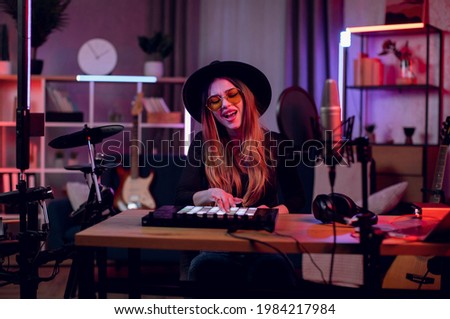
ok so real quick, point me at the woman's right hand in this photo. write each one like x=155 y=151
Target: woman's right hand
x=220 y=197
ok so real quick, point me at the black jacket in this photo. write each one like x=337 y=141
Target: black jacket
x=284 y=185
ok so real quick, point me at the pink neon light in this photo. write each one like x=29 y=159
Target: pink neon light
x=386 y=27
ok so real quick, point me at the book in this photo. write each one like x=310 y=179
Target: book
x=155 y=105
x=59 y=100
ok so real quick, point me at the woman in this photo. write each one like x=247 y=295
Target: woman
x=233 y=161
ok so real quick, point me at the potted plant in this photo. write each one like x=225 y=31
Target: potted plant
x=46 y=16
x=370 y=130
x=404 y=55
x=5 y=64
x=59 y=159
x=158 y=47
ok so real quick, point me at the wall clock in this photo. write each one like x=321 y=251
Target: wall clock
x=97 y=56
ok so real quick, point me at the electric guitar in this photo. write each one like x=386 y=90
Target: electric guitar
x=411 y=272
x=134 y=191
x=437 y=196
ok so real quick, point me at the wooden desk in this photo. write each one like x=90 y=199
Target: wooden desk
x=125 y=231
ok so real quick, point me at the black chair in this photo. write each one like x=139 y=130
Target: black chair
x=298 y=120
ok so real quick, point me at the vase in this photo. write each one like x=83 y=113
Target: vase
x=406 y=72
x=154 y=68
x=409 y=132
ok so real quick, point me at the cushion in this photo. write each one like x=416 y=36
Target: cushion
x=348 y=180
x=386 y=199
x=78 y=193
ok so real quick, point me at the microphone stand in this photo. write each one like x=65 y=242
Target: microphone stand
x=29 y=237
x=364 y=156
x=330 y=161
x=370 y=238
x=28 y=241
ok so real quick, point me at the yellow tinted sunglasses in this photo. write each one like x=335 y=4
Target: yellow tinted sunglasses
x=214 y=102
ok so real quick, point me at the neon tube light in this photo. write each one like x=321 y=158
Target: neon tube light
x=117 y=78
x=386 y=27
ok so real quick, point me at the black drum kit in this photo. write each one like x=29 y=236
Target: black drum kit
x=99 y=201
x=100 y=197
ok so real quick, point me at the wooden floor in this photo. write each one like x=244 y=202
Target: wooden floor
x=55 y=288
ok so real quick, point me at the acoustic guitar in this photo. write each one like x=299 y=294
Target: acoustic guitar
x=411 y=272
x=134 y=191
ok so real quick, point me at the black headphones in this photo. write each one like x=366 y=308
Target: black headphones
x=341 y=209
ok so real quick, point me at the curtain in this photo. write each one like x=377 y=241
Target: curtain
x=294 y=42
x=251 y=31
x=179 y=19
x=312 y=43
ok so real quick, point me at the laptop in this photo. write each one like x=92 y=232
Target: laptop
x=426 y=229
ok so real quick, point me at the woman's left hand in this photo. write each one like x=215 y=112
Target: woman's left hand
x=282 y=209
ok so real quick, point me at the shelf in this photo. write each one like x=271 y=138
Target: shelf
x=64 y=124
x=429 y=77
x=88 y=96
x=60 y=171
x=162 y=125
x=394 y=29
x=62 y=78
x=7 y=124
x=394 y=87
x=101 y=78
x=16 y=170
x=398 y=145
x=129 y=79
x=420 y=104
x=81 y=124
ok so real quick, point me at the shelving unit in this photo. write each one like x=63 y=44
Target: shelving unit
x=390 y=101
x=85 y=91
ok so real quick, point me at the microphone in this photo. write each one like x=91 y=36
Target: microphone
x=330 y=116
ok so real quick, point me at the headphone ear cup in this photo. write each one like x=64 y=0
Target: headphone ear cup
x=348 y=208
x=344 y=205
x=337 y=207
x=369 y=216
x=333 y=207
x=322 y=208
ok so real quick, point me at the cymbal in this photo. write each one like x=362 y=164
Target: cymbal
x=96 y=135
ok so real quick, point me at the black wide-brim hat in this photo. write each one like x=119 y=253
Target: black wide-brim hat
x=199 y=81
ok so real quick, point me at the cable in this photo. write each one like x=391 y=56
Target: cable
x=252 y=241
x=300 y=247
x=422 y=281
x=303 y=249
x=55 y=272
x=333 y=252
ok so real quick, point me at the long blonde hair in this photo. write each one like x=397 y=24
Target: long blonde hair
x=223 y=165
